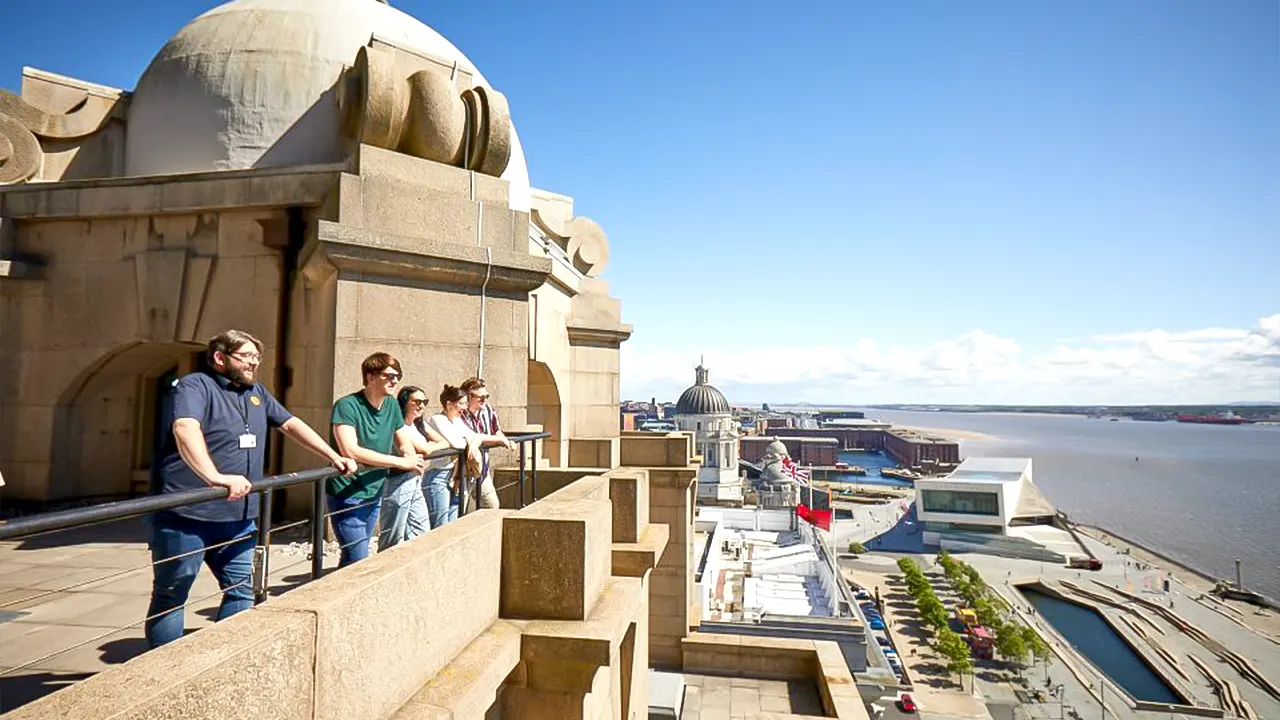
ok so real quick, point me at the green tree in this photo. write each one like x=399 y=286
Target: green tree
x=987 y=613
x=1038 y=648
x=956 y=651
x=1011 y=644
x=933 y=612
x=906 y=566
x=857 y=548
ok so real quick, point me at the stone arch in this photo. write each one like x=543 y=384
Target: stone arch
x=104 y=420
x=546 y=410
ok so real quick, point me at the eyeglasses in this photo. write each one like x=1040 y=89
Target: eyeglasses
x=418 y=401
x=481 y=398
x=247 y=357
x=391 y=376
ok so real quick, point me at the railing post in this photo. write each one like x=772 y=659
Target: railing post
x=522 y=475
x=533 y=473
x=317 y=529
x=461 y=463
x=262 y=552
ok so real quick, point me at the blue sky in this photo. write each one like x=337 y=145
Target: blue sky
x=874 y=202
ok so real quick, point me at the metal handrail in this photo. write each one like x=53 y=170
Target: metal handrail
x=122 y=509
x=37 y=525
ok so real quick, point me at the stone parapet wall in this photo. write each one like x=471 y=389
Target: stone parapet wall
x=534 y=611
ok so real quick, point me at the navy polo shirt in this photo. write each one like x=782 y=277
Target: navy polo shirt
x=225 y=412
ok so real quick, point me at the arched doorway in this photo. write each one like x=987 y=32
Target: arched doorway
x=104 y=428
x=545 y=410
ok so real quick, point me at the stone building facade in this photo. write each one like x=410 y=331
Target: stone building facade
x=703 y=410
x=342 y=180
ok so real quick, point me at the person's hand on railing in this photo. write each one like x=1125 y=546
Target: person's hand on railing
x=412 y=463
x=344 y=465
x=510 y=445
x=238 y=485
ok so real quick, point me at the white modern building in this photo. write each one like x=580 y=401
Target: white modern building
x=990 y=504
x=703 y=410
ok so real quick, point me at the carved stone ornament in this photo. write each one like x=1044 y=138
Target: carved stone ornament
x=582 y=239
x=424 y=115
x=21 y=124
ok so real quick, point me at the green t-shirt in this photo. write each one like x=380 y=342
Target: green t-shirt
x=376 y=431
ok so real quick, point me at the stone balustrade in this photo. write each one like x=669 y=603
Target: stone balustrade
x=554 y=610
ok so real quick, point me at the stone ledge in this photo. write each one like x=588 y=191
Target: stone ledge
x=19 y=270
x=469 y=685
x=264 y=661
x=589 y=641
x=169 y=194
x=636 y=559
x=425 y=260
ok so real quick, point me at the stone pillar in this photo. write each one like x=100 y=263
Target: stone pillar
x=673 y=469
x=579 y=618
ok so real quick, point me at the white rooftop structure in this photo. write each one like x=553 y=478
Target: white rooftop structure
x=756 y=565
x=982 y=495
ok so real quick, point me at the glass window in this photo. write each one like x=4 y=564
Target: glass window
x=961 y=502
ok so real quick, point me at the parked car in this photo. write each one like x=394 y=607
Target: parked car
x=906 y=704
x=883 y=641
x=876 y=624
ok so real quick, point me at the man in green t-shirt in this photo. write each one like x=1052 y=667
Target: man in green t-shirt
x=367 y=425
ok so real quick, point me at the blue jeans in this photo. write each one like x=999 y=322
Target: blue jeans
x=441 y=502
x=354 y=527
x=232 y=565
x=404 y=510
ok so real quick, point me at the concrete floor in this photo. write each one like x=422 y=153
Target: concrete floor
x=73 y=603
x=709 y=697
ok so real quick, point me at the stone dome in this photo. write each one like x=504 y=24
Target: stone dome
x=701 y=398
x=251 y=84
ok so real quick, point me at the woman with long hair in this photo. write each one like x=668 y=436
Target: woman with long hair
x=438 y=480
x=404 y=508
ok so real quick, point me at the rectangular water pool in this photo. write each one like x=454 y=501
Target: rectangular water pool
x=1091 y=635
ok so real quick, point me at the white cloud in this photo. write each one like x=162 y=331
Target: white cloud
x=1209 y=365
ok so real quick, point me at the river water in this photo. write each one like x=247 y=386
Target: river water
x=1200 y=494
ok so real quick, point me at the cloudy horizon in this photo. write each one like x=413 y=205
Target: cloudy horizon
x=1210 y=366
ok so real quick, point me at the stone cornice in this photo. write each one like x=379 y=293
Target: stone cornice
x=423 y=260
x=599 y=336
x=169 y=194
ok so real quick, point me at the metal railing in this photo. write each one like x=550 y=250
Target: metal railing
x=30 y=527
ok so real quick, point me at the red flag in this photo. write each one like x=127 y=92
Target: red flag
x=817 y=518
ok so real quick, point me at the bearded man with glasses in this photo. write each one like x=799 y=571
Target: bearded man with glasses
x=218 y=419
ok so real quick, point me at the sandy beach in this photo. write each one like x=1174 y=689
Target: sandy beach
x=951 y=433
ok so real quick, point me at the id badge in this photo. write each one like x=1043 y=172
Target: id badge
x=248 y=441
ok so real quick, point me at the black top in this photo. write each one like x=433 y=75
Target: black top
x=225 y=412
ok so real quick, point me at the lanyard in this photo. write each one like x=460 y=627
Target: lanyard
x=242 y=408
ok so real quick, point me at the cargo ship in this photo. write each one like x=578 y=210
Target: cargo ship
x=1227 y=418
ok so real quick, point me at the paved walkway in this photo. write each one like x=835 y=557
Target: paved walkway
x=67 y=601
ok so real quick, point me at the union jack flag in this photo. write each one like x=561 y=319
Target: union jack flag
x=800 y=476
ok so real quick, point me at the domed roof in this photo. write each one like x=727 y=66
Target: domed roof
x=777 y=448
x=251 y=84
x=701 y=398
